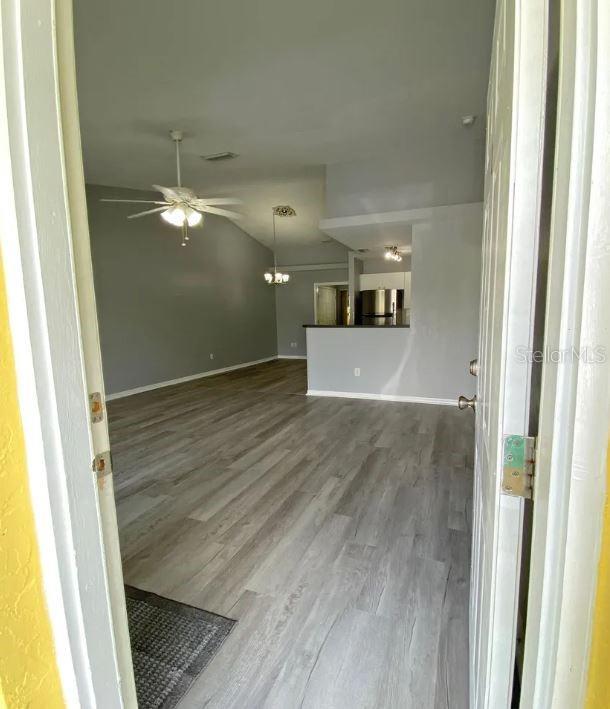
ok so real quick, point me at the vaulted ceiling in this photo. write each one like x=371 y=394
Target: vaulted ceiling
x=289 y=86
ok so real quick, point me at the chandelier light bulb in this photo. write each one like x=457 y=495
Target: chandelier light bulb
x=276 y=278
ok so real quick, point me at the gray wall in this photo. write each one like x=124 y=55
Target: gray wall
x=410 y=178
x=431 y=358
x=294 y=307
x=328 y=251
x=163 y=309
x=382 y=265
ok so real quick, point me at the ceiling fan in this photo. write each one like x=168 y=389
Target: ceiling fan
x=181 y=207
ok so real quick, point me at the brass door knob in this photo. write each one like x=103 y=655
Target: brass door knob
x=473 y=368
x=465 y=403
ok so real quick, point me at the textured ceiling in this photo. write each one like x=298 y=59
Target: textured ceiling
x=289 y=86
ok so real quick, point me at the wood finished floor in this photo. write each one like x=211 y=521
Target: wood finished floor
x=336 y=531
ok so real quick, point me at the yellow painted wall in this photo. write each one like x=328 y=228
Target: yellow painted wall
x=28 y=670
x=598 y=694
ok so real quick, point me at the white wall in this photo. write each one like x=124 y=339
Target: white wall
x=430 y=359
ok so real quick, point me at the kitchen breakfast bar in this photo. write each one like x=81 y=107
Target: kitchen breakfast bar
x=390 y=362
x=358 y=361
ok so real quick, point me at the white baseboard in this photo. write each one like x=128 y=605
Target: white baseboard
x=383 y=397
x=292 y=356
x=181 y=380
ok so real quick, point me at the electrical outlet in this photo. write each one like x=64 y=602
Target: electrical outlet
x=293 y=345
x=356 y=371
x=211 y=355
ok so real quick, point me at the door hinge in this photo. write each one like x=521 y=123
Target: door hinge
x=518 y=462
x=102 y=464
x=96 y=407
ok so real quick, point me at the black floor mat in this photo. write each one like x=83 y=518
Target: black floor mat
x=171 y=643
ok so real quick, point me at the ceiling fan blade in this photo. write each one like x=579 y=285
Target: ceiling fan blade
x=168 y=192
x=133 y=201
x=221 y=212
x=148 y=211
x=201 y=202
x=176 y=194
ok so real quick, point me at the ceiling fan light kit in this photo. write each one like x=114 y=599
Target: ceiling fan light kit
x=176 y=216
x=274 y=277
x=180 y=206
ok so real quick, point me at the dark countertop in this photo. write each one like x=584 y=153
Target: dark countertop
x=371 y=327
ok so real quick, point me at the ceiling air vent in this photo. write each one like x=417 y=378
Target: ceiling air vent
x=217 y=157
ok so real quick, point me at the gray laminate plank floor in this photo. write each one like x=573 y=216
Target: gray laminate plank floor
x=336 y=531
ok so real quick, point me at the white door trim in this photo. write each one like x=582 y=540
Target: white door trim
x=575 y=402
x=43 y=311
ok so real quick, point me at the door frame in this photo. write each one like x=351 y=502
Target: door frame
x=38 y=257
x=51 y=374
x=570 y=478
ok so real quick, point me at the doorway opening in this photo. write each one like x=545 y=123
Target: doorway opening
x=323 y=505
x=331 y=303
x=327 y=530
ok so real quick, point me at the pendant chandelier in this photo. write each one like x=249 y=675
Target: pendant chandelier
x=275 y=277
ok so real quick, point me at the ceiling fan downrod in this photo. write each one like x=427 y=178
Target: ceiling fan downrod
x=176 y=136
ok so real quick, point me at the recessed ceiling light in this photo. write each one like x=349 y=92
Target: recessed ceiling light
x=468 y=120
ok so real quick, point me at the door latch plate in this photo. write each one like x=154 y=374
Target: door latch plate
x=518 y=466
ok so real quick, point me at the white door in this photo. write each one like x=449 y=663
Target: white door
x=89 y=334
x=326 y=305
x=515 y=119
